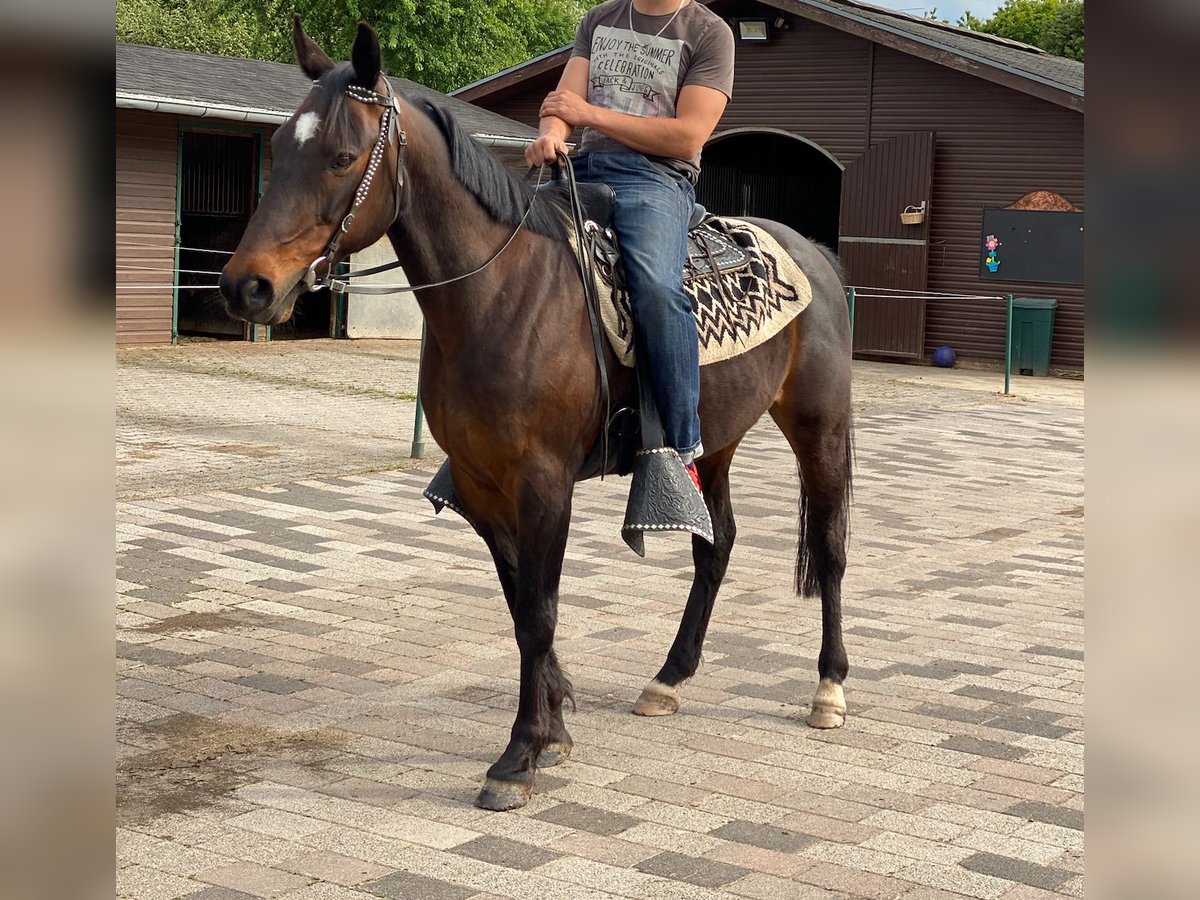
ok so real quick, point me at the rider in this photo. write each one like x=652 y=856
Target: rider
x=648 y=81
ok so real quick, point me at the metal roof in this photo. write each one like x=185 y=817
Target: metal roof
x=1012 y=57
x=253 y=90
x=1015 y=56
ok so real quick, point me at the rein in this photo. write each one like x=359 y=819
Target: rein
x=389 y=131
x=591 y=299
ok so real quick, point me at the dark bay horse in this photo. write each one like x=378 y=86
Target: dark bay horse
x=509 y=376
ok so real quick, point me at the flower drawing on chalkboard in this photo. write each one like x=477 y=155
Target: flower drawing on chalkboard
x=991 y=258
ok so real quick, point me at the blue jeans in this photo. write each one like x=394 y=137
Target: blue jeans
x=654 y=203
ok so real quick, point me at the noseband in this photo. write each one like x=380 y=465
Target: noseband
x=389 y=132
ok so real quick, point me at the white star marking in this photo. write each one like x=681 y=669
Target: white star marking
x=306 y=127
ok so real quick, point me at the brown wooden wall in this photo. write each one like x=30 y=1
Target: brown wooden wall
x=993 y=144
x=146 y=172
x=523 y=103
x=147 y=147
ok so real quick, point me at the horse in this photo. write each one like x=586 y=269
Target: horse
x=509 y=375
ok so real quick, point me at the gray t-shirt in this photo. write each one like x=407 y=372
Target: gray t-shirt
x=641 y=75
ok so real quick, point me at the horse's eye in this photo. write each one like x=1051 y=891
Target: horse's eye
x=342 y=161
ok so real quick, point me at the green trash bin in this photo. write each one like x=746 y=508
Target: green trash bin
x=1032 y=330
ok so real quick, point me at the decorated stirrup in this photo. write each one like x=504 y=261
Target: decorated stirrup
x=662 y=498
x=441 y=492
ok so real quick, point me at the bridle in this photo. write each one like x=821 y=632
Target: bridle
x=390 y=132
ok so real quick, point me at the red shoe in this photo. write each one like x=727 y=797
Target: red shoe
x=694 y=474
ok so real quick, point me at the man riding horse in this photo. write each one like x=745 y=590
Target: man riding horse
x=648 y=81
x=497 y=272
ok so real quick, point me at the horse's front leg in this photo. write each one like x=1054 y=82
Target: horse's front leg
x=544 y=517
x=502 y=544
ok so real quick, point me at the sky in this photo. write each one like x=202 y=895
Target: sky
x=946 y=9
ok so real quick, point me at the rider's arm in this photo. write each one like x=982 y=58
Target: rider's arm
x=697 y=111
x=699 y=105
x=554 y=131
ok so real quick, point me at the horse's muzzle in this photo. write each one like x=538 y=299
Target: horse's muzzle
x=249 y=297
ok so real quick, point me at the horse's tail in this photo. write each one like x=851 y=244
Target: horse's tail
x=807 y=571
x=832 y=258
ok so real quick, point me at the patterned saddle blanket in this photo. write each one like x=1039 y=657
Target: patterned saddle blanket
x=744 y=287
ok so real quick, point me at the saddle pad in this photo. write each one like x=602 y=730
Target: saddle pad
x=759 y=300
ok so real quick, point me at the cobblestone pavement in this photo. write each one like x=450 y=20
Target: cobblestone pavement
x=314 y=671
x=226 y=414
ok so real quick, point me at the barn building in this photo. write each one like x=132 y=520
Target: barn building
x=192 y=158
x=905 y=144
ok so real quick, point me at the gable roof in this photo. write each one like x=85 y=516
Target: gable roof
x=252 y=90
x=986 y=50
x=1011 y=63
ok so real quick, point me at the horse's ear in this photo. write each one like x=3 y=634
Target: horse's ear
x=365 y=56
x=314 y=61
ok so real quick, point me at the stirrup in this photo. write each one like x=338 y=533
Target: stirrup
x=441 y=492
x=662 y=498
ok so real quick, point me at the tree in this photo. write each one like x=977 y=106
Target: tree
x=971 y=21
x=1063 y=34
x=200 y=26
x=1055 y=26
x=443 y=44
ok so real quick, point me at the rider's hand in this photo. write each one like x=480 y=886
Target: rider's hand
x=544 y=150
x=568 y=106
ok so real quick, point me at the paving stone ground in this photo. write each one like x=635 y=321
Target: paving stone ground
x=220 y=414
x=314 y=671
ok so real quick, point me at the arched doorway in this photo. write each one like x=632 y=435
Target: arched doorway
x=775 y=175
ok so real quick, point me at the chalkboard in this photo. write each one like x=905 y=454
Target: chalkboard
x=1034 y=245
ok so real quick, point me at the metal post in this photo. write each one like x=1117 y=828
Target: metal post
x=850 y=294
x=178 y=233
x=1008 y=344
x=418 y=443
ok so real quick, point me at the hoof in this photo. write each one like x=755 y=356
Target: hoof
x=501 y=796
x=657 y=699
x=828 y=706
x=824 y=717
x=553 y=754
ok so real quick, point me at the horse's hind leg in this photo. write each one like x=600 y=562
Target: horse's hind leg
x=822 y=446
x=661 y=696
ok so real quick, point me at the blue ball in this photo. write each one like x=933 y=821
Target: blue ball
x=944 y=357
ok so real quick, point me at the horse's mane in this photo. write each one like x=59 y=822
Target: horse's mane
x=502 y=194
